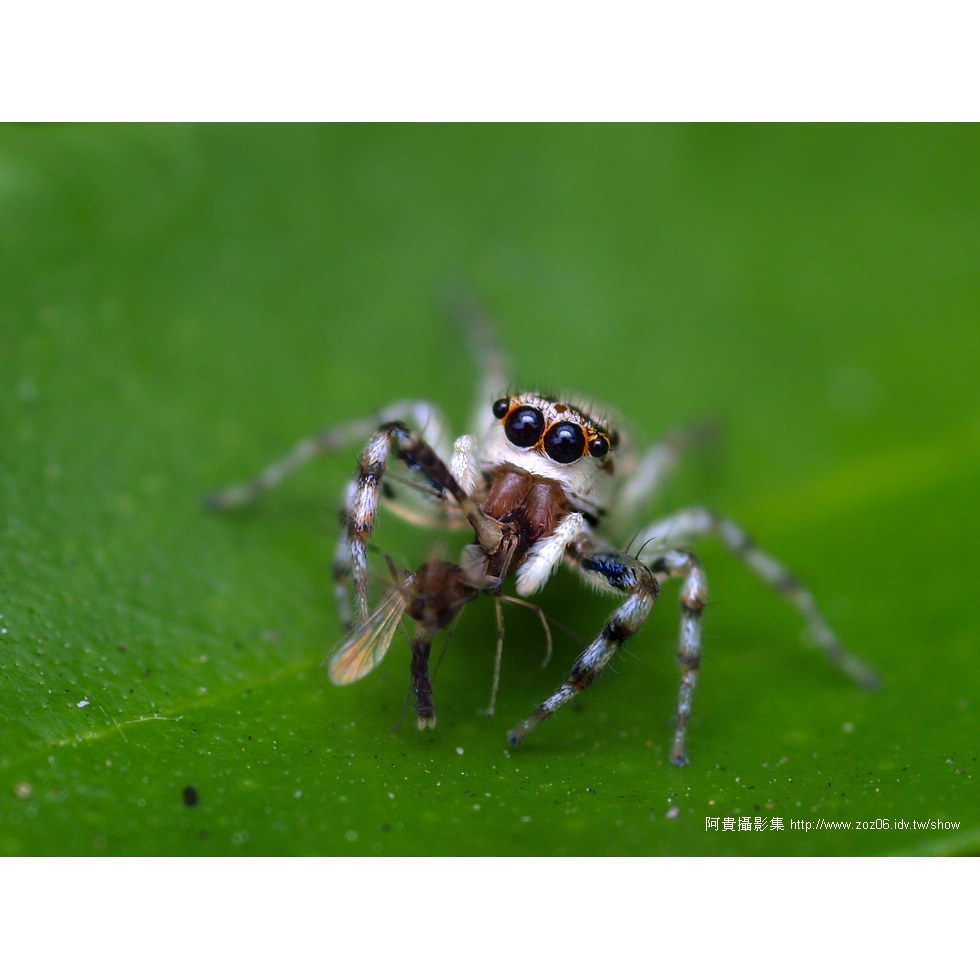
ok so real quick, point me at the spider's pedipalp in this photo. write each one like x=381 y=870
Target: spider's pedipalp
x=546 y=554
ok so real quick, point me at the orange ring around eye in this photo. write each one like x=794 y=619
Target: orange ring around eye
x=524 y=426
x=599 y=445
x=564 y=442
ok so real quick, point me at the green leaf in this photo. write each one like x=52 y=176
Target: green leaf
x=182 y=302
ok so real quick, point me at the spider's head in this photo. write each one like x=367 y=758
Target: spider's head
x=554 y=440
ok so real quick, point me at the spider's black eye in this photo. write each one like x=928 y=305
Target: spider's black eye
x=565 y=442
x=524 y=426
x=599 y=446
x=500 y=407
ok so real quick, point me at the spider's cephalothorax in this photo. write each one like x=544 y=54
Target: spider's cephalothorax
x=555 y=441
x=547 y=484
x=547 y=472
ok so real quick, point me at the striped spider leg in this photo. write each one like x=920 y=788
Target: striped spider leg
x=439 y=589
x=425 y=505
x=680 y=529
x=424 y=416
x=696 y=522
x=411 y=449
x=620 y=573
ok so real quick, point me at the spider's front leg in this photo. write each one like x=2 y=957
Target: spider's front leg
x=618 y=572
x=365 y=493
x=694 y=595
x=612 y=571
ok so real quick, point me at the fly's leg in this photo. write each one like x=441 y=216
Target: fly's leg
x=425 y=708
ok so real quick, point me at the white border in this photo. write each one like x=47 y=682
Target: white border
x=528 y=60
x=564 y=918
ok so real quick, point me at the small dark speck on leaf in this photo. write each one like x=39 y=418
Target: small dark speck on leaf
x=190 y=796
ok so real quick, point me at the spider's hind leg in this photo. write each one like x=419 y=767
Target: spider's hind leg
x=484 y=344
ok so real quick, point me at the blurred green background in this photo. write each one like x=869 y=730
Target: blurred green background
x=180 y=303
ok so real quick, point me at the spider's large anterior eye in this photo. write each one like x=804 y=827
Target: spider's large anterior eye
x=524 y=426
x=565 y=442
x=500 y=407
x=599 y=446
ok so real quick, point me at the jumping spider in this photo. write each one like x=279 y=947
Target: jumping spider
x=543 y=486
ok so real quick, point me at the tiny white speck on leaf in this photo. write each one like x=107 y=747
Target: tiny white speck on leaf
x=84 y=703
x=459 y=750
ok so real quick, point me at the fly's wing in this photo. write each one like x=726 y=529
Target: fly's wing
x=365 y=648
